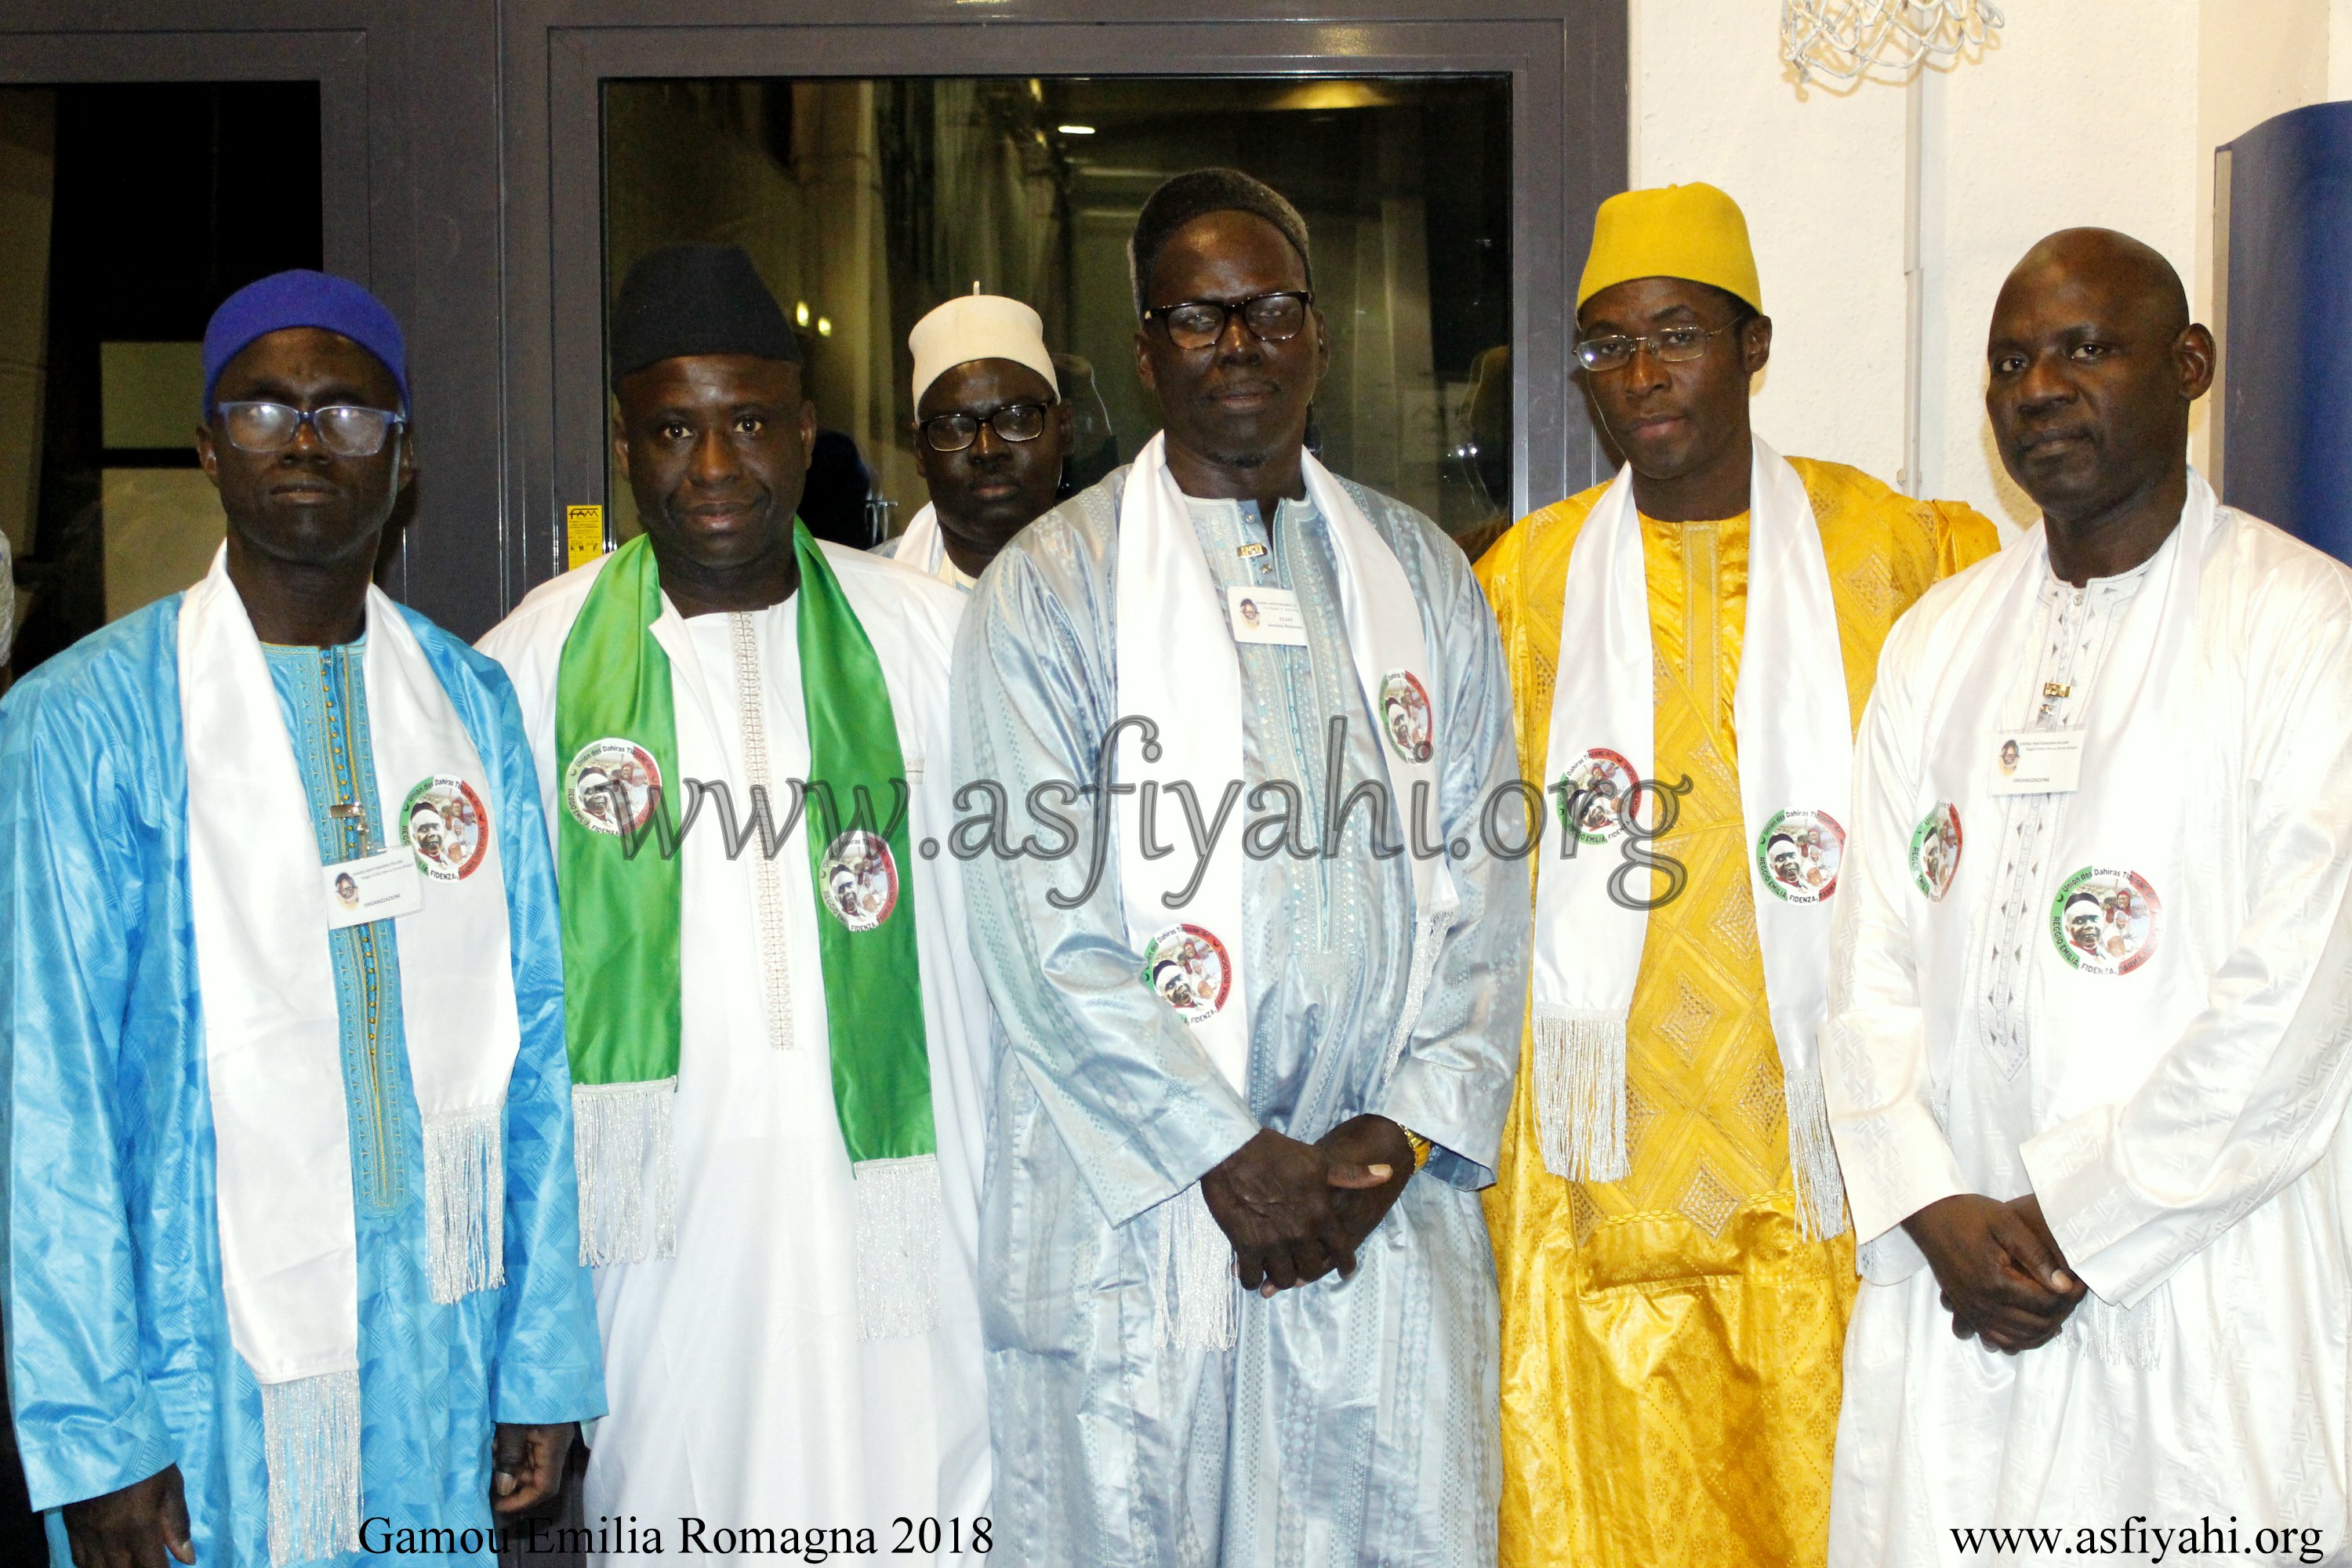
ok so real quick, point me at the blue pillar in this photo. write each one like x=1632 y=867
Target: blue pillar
x=2286 y=432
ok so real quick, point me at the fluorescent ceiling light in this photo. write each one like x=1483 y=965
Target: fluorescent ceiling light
x=1075 y=129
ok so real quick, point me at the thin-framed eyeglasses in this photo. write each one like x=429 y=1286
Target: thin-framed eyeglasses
x=1670 y=345
x=1272 y=318
x=346 y=429
x=1013 y=421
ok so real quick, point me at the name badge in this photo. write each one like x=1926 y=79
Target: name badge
x=1266 y=616
x=373 y=888
x=2037 y=761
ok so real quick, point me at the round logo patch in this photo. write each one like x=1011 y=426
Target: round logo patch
x=1935 y=851
x=1404 y=716
x=1798 y=852
x=2106 y=921
x=443 y=822
x=610 y=786
x=859 y=879
x=1596 y=789
x=1188 y=966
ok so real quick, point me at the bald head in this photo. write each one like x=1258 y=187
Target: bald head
x=2131 y=268
x=2092 y=365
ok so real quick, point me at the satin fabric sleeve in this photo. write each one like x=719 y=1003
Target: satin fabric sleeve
x=1141 y=1107
x=1876 y=1068
x=2250 y=1096
x=72 y=912
x=549 y=1358
x=1452 y=1083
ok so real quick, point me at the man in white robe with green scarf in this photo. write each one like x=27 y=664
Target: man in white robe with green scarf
x=2087 y=1069
x=774 y=1024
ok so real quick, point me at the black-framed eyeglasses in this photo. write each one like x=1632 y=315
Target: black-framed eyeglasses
x=1272 y=318
x=954 y=432
x=1672 y=345
x=346 y=429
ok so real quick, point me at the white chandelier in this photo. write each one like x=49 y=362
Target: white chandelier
x=1845 y=40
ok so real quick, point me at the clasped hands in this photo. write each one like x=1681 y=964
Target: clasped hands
x=1297 y=1211
x=2004 y=1279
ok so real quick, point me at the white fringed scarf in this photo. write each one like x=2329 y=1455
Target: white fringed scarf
x=1796 y=753
x=1178 y=667
x=273 y=1053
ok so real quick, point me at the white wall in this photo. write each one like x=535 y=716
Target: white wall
x=2082 y=111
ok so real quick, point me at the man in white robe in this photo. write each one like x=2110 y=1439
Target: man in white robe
x=991 y=434
x=746 y=1390
x=2086 y=1065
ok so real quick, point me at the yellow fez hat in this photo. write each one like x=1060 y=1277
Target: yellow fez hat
x=1691 y=231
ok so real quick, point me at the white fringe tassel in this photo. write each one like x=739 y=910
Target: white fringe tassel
x=1194 y=1297
x=617 y=1129
x=1812 y=1157
x=310 y=1435
x=2123 y=1336
x=1581 y=1095
x=464 y=1202
x=898 y=1204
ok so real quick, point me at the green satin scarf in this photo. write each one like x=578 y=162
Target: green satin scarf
x=617 y=843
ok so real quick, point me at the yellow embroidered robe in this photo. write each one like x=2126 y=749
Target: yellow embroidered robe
x=1670 y=1344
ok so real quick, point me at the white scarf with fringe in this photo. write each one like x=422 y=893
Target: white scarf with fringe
x=273 y=1052
x=1180 y=668
x=1795 y=733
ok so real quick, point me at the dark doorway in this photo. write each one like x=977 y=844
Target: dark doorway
x=865 y=202
x=142 y=247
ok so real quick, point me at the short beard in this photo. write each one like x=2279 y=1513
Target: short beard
x=1240 y=459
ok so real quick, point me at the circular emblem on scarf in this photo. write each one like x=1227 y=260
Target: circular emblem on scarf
x=2106 y=921
x=859 y=879
x=1936 y=850
x=1596 y=789
x=1798 y=853
x=1188 y=966
x=443 y=822
x=1404 y=716
x=610 y=786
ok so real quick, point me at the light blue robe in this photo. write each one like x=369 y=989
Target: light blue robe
x=120 y=1358
x=1354 y=1422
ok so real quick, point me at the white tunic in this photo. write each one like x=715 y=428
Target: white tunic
x=2186 y=1151
x=741 y=1392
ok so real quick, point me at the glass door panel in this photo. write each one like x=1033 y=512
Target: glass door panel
x=866 y=201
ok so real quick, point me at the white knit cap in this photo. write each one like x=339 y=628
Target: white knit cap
x=979 y=326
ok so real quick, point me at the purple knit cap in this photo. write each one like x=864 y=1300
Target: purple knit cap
x=302 y=298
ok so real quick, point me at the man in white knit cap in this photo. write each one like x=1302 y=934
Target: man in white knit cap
x=990 y=433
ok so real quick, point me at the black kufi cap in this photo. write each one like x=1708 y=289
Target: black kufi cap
x=1183 y=197
x=697 y=299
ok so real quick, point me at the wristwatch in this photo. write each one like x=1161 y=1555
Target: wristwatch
x=1422 y=1147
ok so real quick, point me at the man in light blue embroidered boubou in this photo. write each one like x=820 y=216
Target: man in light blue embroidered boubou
x=2088 y=1078
x=288 y=1155
x=1246 y=1059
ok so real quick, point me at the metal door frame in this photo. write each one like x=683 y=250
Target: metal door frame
x=1566 y=60
x=408 y=113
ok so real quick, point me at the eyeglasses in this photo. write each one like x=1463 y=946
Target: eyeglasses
x=1274 y=318
x=1675 y=346
x=954 y=432
x=343 y=428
